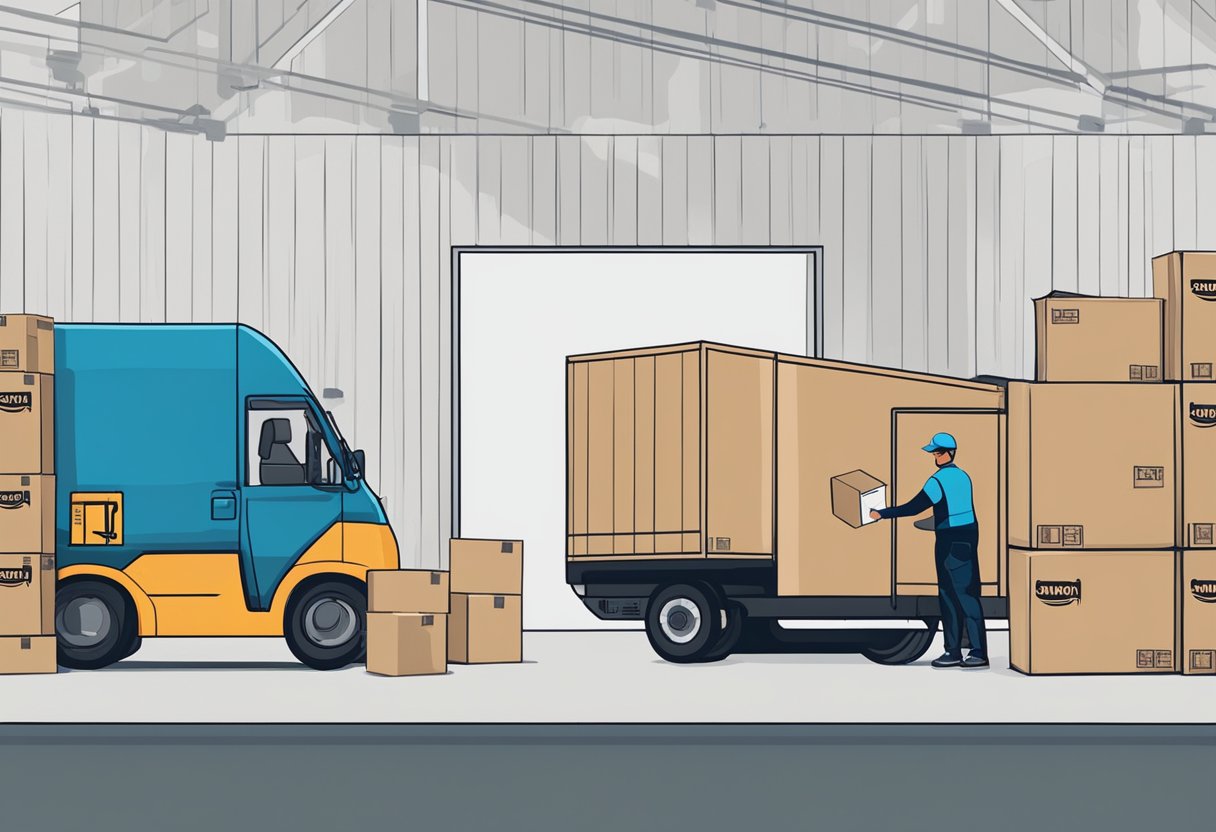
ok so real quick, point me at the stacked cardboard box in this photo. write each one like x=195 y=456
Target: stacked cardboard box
x=407 y=622
x=487 y=601
x=27 y=495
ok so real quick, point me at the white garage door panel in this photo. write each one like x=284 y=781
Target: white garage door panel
x=521 y=313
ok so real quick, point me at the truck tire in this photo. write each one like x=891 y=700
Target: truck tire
x=325 y=624
x=900 y=646
x=95 y=624
x=683 y=623
x=731 y=633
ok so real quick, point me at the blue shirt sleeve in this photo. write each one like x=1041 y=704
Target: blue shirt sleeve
x=933 y=490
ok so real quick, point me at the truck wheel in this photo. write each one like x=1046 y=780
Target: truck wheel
x=900 y=646
x=94 y=624
x=683 y=623
x=731 y=633
x=325 y=624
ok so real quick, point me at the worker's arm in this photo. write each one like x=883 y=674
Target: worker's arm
x=924 y=500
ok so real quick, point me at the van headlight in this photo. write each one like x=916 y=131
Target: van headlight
x=579 y=589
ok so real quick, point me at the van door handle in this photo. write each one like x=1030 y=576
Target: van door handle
x=223 y=505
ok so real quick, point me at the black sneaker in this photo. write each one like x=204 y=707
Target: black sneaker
x=974 y=661
x=947 y=660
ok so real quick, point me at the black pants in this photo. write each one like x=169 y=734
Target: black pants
x=958 y=587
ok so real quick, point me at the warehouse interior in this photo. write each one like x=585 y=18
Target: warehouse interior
x=428 y=205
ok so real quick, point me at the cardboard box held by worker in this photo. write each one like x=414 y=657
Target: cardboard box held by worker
x=27 y=595
x=26 y=423
x=1186 y=281
x=27 y=513
x=1093 y=612
x=407 y=590
x=485 y=629
x=855 y=494
x=27 y=654
x=1092 y=466
x=406 y=644
x=27 y=344
x=1198 y=618
x=1082 y=338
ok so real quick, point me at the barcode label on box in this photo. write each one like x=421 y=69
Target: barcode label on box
x=1203 y=660
x=1148 y=476
x=1066 y=316
x=1145 y=658
x=1203 y=370
x=1061 y=536
x=1165 y=659
x=1201 y=534
x=1142 y=372
x=10 y=358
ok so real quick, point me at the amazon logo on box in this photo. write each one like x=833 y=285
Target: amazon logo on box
x=1058 y=593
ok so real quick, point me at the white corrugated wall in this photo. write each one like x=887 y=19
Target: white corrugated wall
x=339 y=247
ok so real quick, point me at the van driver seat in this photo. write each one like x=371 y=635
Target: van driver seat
x=279 y=465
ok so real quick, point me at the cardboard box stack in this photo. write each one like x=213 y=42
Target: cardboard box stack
x=487 y=601
x=407 y=622
x=1112 y=506
x=27 y=495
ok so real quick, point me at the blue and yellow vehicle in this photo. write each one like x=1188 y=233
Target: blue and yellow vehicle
x=203 y=491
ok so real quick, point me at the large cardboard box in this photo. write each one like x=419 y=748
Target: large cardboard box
x=1198 y=612
x=407 y=590
x=1093 y=612
x=854 y=495
x=1197 y=496
x=406 y=644
x=28 y=654
x=1186 y=281
x=27 y=513
x=1092 y=466
x=27 y=595
x=27 y=344
x=485 y=629
x=27 y=413
x=486 y=566
x=1082 y=338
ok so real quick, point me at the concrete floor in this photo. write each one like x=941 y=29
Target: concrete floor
x=588 y=678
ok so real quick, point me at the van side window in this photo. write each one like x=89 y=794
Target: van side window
x=287 y=447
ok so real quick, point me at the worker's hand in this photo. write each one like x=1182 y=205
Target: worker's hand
x=874 y=515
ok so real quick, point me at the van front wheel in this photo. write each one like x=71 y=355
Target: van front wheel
x=325 y=624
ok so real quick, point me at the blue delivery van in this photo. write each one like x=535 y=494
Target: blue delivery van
x=203 y=491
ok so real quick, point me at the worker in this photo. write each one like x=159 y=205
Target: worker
x=948 y=491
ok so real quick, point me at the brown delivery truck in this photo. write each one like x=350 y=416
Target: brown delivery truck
x=713 y=491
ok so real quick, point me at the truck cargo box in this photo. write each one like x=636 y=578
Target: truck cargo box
x=709 y=451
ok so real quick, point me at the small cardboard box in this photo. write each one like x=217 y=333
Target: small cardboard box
x=406 y=644
x=1198 y=619
x=27 y=513
x=28 y=654
x=27 y=344
x=407 y=590
x=486 y=629
x=486 y=566
x=1092 y=466
x=854 y=494
x=27 y=414
x=1186 y=281
x=1082 y=338
x=1093 y=612
x=27 y=595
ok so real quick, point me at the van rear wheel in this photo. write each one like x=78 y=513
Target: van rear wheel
x=325 y=624
x=900 y=646
x=683 y=623
x=95 y=624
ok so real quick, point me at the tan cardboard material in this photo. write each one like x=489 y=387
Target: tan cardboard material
x=406 y=644
x=1197 y=497
x=486 y=566
x=28 y=654
x=1082 y=338
x=486 y=629
x=1092 y=466
x=853 y=496
x=27 y=344
x=1093 y=612
x=27 y=410
x=1198 y=613
x=27 y=595
x=1186 y=281
x=27 y=513
x=407 y=590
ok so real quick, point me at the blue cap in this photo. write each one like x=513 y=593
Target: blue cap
x=941 y=442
